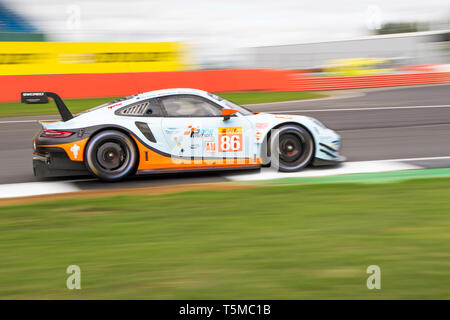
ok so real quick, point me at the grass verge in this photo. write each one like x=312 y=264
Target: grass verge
x=262 y=97
x=16 y=109
x=282 y=242
x=370 y=177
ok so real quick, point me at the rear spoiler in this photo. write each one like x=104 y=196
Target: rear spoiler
x=42 y=97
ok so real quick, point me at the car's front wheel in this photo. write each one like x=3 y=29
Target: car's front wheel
x=111 y=155
x=293 y=148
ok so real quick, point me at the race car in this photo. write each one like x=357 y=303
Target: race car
x=175 y=130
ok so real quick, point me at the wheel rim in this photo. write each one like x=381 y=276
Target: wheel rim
x=112 y=156
x=290 y=147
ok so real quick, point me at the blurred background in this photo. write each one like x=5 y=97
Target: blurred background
x=312 y=39
x=307 y=241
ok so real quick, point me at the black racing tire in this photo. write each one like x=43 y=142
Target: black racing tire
x=294 y=150
x=111 y=155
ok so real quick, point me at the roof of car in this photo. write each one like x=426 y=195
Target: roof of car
x=163 y=92
x=152 y=94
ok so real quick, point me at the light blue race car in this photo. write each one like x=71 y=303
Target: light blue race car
x=175 y=130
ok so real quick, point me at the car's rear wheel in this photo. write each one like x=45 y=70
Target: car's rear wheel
x=293 y=147
x=111 y=155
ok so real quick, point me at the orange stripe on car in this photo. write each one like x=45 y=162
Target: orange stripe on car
x=149 y=159
x=75 y=150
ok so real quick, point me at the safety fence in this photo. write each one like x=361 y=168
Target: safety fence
x=302 y=82
x=121 y=84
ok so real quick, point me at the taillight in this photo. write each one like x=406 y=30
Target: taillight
x=56 y=134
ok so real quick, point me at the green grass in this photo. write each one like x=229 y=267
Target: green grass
x=16 y=109
x=370 y=177
x=283 y=242
x=261 y=97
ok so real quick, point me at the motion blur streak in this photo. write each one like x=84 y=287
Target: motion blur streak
x=377 y=72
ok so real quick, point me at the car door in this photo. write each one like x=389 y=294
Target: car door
x=195 y=128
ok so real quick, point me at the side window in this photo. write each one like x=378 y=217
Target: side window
x=145 y=108
x=154 y=109
x=189 y=106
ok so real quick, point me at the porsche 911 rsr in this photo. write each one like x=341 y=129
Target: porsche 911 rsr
x=175 y=130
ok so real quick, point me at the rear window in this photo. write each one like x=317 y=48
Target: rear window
x=110 y=103
x=146 y=108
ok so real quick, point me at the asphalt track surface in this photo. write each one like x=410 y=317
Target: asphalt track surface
x=375 y=124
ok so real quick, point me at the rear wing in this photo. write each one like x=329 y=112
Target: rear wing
x=42 y=97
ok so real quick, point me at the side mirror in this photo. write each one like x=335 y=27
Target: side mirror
x=227 y=113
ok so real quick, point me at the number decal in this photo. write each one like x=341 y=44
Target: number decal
x=230 y=139
x=210 y=146
x=224 y=143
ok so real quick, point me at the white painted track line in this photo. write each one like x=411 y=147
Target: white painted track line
x=363 y=109
x=414 y=159
x=23 y=121
x=18 y=121
x=345 y=168
x=14 y=190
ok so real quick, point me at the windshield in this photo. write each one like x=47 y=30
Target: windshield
x=242 y=110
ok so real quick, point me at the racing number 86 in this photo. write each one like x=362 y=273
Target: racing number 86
x=230 y=139
x=230 y=143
